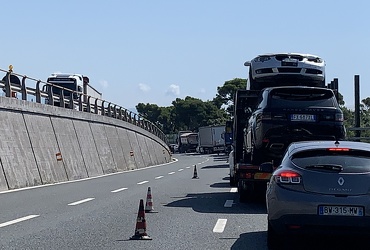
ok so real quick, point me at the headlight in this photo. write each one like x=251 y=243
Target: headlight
x=262 y=59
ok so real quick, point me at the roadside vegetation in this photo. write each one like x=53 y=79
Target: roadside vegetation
x=191 y=113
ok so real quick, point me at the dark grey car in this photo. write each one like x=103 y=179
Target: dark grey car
x=320 y=187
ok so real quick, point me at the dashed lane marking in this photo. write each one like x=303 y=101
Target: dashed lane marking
x=143 y=182
x=19 y=220
x=181 y=169
x=80 y=202
x=229 y=203
x=220 y=226
x=233 y=190
x=171 y=173
x=158 y=177
x=118 y=190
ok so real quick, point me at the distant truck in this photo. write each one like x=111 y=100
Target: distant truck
x=187 y=141
x=211 y=139
x=77 y=83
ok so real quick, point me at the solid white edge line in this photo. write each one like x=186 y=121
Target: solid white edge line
x=220 y=226
x=141 y=183
x=19 y=220
x=81 y=201
x=229 y=203
x=118 y=190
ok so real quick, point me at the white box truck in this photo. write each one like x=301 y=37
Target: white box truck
x=211 y=139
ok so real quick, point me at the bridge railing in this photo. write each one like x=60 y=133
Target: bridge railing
x=14 y=84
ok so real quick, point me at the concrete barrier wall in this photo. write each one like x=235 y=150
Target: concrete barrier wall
x=42 y=144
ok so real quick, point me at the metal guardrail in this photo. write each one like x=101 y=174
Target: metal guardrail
x=92 y=105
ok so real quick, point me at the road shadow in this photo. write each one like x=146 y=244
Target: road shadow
x=258 y=240
x=252 y=240
x=214 y=203
x=216 y=166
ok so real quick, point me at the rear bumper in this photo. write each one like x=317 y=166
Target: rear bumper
x=291 y=212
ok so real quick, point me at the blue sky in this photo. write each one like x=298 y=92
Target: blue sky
x=156 y=51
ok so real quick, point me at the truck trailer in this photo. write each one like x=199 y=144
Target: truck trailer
x=187 y=141
x=211 y=139
x=251 y=179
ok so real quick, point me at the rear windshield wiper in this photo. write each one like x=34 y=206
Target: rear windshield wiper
x=330 y=167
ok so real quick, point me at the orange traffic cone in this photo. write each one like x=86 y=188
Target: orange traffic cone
x=195 y=175
x=149 y=203
x=140 y=230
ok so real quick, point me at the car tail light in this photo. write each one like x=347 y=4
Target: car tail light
x=338 y=149
x=339 y=117
x=288 y=177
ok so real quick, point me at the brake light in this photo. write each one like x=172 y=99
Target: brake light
x=338 y=149
x=339 y=117
x=288 y=177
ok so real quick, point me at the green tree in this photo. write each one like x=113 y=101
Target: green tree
x=225 y=94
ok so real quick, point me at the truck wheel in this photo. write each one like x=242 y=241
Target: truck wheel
x=243 y=194
x=232 y=181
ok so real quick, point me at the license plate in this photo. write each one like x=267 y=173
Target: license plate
x=262 y=176
x=289 y=62
x=341 y=210
x=302 y=117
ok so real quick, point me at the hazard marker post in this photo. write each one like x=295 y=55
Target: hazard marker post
x=140 y=230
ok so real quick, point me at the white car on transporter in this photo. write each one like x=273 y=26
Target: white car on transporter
x=290 y=68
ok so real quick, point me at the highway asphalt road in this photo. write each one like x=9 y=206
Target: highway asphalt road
x=101 y=213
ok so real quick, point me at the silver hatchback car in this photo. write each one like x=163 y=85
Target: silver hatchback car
x=289 y=68
x=321 y=187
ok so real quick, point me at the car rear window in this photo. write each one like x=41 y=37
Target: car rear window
x=300 y=98
x=352 y=161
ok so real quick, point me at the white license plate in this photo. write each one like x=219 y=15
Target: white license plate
x=302 y=117
x=341 y=210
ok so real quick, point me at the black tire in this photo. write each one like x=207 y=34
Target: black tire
x=273 y=240
x=243 y=194
x=232 y=181
x=252 y=83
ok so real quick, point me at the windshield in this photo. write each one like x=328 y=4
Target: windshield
x=66 y=83
x=301 y=98
x=353 y=161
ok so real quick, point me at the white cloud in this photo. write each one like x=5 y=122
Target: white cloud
x=104 y=84
x=173 y=90
x=143 y=87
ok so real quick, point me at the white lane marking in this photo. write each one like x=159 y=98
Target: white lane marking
x=81 y=201
x=171 y=173
x=181 y=169
x=229 y=203
x=188 y=167
x=143 y=182
x=233 y=190
x=19 y=220
x=118 y=190
x=159 y=177
x=220 y=226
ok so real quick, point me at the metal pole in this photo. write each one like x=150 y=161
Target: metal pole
x=357 y=105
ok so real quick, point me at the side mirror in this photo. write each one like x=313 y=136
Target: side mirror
x=266 y=167
x=247 y=63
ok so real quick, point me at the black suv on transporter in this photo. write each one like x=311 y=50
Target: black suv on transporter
x=288 y=114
